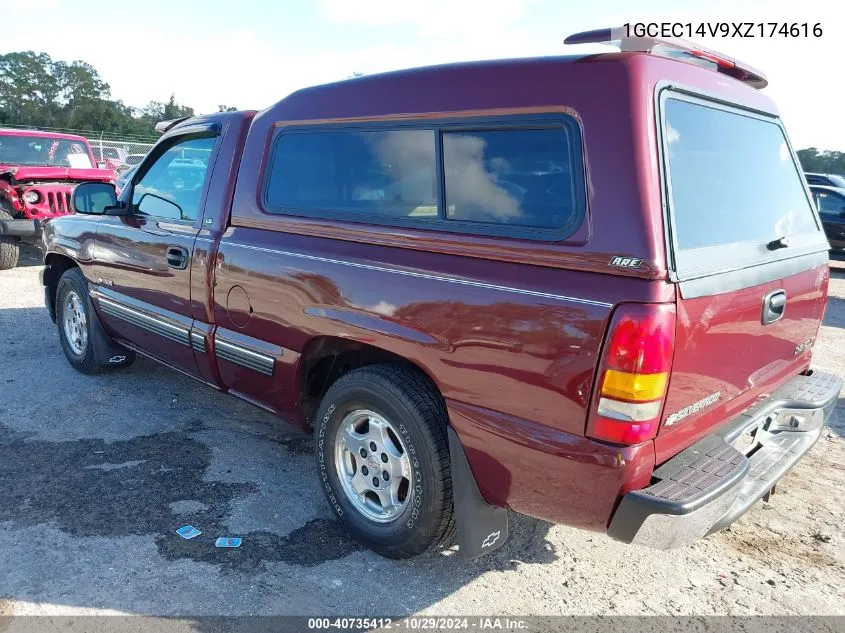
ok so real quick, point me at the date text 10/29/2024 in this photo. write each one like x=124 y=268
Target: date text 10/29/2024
x=421 y=623
x=723 y=29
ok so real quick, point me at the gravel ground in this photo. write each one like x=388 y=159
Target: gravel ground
x=99 y=471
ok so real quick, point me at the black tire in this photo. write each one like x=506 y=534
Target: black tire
x=412 y=405
x=74 y=281
x=9 y=246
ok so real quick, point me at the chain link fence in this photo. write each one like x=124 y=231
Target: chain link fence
x=118 y=154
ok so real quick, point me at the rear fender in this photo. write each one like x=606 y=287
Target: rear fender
x=482 y=528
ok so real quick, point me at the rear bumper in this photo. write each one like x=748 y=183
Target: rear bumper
x=547 y=473
x=20 y=228
x=716 y=480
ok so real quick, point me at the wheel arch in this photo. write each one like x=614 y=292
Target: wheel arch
x=326 y=358
x=55 y=265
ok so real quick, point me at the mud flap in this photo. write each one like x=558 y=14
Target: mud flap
x=107 y=353
x=482 y=528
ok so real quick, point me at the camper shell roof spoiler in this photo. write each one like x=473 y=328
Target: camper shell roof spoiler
x=680 y=49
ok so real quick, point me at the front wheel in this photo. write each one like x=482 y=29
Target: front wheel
x=9 y=246
x=383 y=459
x=78 y=327
x=73 y=321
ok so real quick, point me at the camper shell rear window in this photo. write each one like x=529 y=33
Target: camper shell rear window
x=733 y=187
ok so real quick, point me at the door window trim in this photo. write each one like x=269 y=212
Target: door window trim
x=179 y=135
x=712 y=260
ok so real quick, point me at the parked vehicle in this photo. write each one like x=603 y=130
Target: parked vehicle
x=462 y=280
x=134 y=159
x=109 y=157
x=830 y=202
x=123 y=179
x=38 y=171
x=827 y=180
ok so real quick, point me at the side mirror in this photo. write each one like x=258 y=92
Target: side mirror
x=151 y=204
x=93 y=198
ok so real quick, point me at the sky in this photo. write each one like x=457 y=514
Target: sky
x=252 y=53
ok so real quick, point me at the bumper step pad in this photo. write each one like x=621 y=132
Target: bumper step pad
x=713 y=468
x=713 y=482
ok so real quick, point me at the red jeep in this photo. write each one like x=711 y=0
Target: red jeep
x=584 y=288
x=38 y=171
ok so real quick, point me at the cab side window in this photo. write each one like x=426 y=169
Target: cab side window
x=172 y=186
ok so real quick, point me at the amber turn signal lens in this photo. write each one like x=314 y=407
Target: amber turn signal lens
x=634 y=387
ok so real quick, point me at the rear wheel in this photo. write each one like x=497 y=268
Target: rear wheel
x=383 y=459
x=9 y=246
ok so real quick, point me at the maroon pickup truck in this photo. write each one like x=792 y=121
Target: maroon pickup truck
x=582 y=288
x=38 y=171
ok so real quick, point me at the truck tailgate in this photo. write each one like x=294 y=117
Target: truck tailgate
x=749 y=260
x=726 y=357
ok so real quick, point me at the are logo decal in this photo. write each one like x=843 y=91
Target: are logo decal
x=626 y=262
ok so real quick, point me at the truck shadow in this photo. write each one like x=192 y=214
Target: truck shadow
x=100 y=469
x=834 y=316
x=29 y=256
x=836 y=422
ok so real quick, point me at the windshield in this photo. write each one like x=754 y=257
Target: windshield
x=43 y=151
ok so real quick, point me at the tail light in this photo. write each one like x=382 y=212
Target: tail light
x=633 y=374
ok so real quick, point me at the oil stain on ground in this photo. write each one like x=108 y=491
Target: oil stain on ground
x=89 y=487
x=314 y=543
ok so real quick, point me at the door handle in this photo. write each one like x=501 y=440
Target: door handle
x=774 y=306
x=177 y=257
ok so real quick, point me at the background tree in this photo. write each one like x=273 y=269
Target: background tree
x=36 y=91
x=826 y=161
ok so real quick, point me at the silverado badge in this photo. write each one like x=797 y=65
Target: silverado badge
x=803 y=345
x=695 y=406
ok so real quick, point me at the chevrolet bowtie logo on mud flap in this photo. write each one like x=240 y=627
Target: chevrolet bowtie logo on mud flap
x=491 y=539
x=117 y=359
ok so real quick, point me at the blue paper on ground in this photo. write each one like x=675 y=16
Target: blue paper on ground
x=188 y=531
x=225 y=541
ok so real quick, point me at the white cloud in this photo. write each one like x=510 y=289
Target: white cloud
x=799 y=70
x=431 y=18
x=385 y=308
x=672 y=135
x=29 y=5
